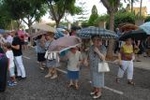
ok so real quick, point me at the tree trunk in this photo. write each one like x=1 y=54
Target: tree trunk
x=110 y=50
x=57 y=22
x=141 y=7
x=131 y=6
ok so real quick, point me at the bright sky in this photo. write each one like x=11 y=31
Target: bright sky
x=101 y=9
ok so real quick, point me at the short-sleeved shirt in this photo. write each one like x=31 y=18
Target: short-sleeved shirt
x=10 y=56
x=126 y=52
x=17 y=41
x=73 y=60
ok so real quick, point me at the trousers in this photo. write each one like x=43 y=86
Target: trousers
x=20 y=67
x=126 y=66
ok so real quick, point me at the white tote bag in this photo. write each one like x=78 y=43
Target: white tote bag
x=50 y=55
x=103 y=67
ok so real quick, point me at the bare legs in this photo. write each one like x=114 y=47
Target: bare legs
x=52 y=72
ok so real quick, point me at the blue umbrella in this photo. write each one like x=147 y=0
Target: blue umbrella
x=146 y=27
x=91 y=31
x=59 y=33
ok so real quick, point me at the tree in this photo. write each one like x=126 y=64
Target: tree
x=31 y=10
x=112 y=8
x=94 y=16
x=58 y=8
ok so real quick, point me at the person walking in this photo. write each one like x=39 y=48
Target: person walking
x=97 y=53
x=126 y=57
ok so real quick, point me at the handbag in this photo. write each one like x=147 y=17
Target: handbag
x=103 y=67
x=50 y=55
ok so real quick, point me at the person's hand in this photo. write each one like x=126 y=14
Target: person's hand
x=120 y=62
x=96 y=50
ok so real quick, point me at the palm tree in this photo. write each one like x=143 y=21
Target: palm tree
x=112 y=7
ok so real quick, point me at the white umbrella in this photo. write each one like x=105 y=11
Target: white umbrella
x=44 y=27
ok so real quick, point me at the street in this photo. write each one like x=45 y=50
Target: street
x=37 y=87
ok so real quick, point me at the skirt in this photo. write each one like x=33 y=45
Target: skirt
x=97 y=79
x=52 y=63
x=74 y=75
x=40 y=57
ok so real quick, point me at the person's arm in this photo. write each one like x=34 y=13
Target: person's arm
x=101 y=56
x=17 y=47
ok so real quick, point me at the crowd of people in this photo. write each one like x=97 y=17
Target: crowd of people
x=90 y=53
x=11 y=44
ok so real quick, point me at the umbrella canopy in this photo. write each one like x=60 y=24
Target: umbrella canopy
x=59 y=33
x=146 y=27
x=44 y=27
x=128 y=27
x=64 y=43
x=35 y=35
x=91 y=31
x=134 y=34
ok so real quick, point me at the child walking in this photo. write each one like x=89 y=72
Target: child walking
x=73 y=66
x=11 y=65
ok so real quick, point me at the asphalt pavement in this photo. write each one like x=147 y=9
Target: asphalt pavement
x=36 y=87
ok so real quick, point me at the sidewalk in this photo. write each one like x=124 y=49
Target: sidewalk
x=144 y=64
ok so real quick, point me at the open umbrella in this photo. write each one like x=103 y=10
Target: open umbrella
x=134 y=34
x=36 y=34
x=146 y=27
x=128 y=27
x=91 y=31
x=44 y=27
x=64 y=43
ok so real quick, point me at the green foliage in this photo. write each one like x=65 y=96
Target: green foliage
x=147 y=19
x=20 y=9
x=85 y=24
x=5 y=18
x=58 y=8
x=126 y=17
x=94 y=16
x=102 y=18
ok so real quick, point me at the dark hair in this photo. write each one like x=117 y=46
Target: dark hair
x=7 y=45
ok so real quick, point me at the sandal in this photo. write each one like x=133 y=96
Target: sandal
x=97 y=95
x=131 y=83
x=70 y=85
x=76 y=87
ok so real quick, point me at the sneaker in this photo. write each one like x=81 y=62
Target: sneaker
x=48 y=75
x=54 y=76
x=14 y=83
x=97 y=95
x=11 y=84
x=92 y=93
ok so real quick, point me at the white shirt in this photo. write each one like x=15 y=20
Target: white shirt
x=73 y=61
x=10 y=56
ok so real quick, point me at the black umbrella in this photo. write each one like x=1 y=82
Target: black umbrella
x=134 y=34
